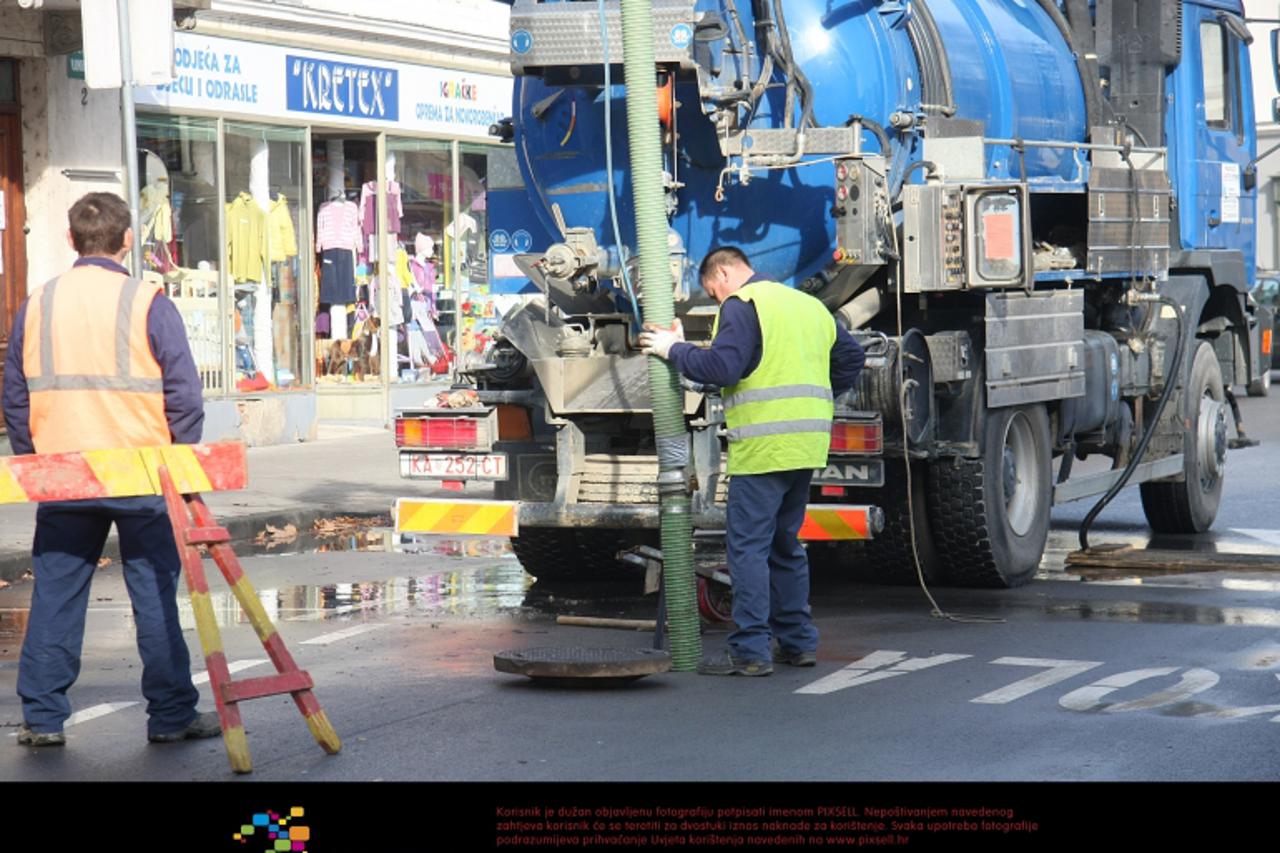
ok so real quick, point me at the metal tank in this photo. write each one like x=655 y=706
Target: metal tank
x=1010 y=69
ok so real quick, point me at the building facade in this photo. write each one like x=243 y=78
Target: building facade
x=313 y=192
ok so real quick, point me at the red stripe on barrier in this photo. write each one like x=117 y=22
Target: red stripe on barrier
x=56 y=477
x=225 y=464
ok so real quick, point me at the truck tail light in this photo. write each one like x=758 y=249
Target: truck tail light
x=857 y=437
x=440 y=432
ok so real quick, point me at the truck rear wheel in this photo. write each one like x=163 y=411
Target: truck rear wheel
x=888 y=558
x=556 y=554
x=1191 y=505
x=990 y=515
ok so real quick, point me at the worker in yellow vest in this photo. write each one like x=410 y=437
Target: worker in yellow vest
x=780 y=359
x=97 y=360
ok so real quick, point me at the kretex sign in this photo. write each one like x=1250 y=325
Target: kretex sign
x=343 y=88
x=232 y=77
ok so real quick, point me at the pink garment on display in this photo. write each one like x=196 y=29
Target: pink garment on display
x=395 y=207
x=338 y=226
x=424 y=276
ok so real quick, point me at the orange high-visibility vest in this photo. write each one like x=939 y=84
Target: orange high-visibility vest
x=93 y=381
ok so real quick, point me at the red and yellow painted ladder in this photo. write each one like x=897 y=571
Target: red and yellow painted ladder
x=179 y=473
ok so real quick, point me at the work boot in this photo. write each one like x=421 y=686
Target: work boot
x=795 y=658
x=204 y=725
x=26 y=737
x=727 y=664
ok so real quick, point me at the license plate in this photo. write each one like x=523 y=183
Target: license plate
x=454 y=466
x=866 y=472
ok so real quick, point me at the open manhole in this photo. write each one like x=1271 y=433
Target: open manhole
x=569 y=666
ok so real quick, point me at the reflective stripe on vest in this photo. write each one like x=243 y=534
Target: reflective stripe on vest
x=93 y=381
x=778 y=418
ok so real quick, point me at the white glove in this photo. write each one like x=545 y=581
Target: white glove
x=654 y=341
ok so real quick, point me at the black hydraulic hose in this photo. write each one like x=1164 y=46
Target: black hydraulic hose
x=1171 y=380
x=875 y=127
x=928 y=165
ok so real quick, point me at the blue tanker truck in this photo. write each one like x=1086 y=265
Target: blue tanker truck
x=1037 y=216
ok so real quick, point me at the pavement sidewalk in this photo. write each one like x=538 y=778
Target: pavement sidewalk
x=347 y=470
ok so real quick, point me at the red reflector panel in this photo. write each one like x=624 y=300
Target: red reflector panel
x=437 y=432
x=832 y=491
x=856 y=437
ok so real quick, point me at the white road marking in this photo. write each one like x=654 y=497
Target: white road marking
x=1240 y=713
x=233 y=667
x=93 y=712
x=1193 y=681
x=862 y=671
x=1086 y=698
x=1056 y=671
x=326 y=639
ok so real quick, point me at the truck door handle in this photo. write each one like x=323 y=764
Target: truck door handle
x=1215 y=221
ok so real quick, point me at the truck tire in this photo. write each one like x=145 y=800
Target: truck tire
x=1191 y=505
x=888 y=558
x=555 y=554
x=548 y=553
x=990 y=515
x=1261 y=386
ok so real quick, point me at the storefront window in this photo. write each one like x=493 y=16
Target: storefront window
x=179 y=225
x=265 y=197
x=347 y=327
x=468 y=240
x=424 y=170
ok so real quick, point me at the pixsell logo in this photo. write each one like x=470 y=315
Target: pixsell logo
x=269 y=832
x=342 y=88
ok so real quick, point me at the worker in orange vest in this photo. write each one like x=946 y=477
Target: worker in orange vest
x=97 y=360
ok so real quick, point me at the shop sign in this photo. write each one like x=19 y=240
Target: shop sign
x=342 y=89
x=269 y=81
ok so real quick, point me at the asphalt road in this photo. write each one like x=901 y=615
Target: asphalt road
x=1119 y=678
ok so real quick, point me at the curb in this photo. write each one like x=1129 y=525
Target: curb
x=243 y=528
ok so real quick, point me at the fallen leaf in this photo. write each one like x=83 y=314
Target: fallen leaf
x=103 y=562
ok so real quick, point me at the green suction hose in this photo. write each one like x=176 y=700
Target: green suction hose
x=656 y=286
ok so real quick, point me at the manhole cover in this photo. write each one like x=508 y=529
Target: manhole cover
x=568 y=665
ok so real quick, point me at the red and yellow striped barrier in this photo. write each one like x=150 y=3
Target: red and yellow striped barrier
x=830 y=522
x=122 y=473
x=476 y=518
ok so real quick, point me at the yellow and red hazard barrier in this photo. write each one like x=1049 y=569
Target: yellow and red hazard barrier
x=179 y=472
x=830 y=522
x=122 y=473
x=476 y=518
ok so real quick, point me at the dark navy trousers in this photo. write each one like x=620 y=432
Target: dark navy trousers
x=769 y=568
x=68 y=543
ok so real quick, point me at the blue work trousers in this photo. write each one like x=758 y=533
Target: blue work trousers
x=769 y=568
x=68 y=543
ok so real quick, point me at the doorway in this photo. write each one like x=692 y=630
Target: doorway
x=13 y=249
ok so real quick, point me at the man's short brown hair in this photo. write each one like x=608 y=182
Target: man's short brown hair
x=98 y=222
x=724 y=256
